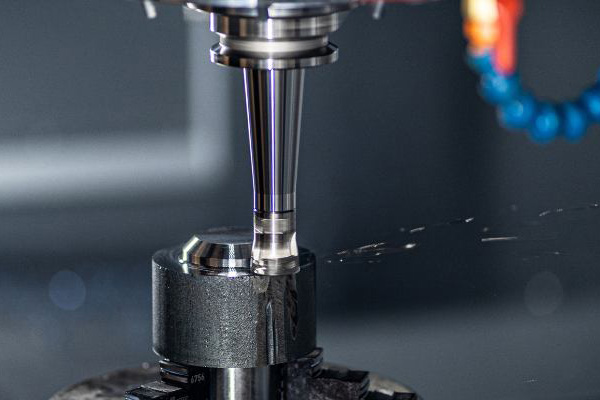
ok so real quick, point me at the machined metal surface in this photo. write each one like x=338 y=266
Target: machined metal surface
x=274 y=43
x=268 y=8
x=112 y=386
x=276 y=28
x=273 y=52
x=234 y=319
x=274 y=248
x=223 y=55
x=274 y=109
x=245 y=383
x=227 y=251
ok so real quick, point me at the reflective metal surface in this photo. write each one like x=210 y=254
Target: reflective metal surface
x=454 y=308
x=223 y=55
x=274 y=108
x=112 y=386
x=273 y=51
x=219 y=250
x=268 y=8
x=274 y=43
x=275 y=247
x=232 y=319
x=245 y=383
x=276 y=28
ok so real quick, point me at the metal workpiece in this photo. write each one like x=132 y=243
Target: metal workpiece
x=228 y=383
x=220 y=251
x=229 y=317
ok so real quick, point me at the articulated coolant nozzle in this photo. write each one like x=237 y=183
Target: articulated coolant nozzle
x=273 y=47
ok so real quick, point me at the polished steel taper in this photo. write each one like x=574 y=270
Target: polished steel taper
x=273 y=48
x=274 y=109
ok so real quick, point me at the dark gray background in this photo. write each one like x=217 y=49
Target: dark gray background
x=118 y=138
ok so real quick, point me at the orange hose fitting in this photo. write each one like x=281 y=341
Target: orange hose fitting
x=505 y=52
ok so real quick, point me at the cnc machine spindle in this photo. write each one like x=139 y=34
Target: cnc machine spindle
x=273 y=50
x=274 y=109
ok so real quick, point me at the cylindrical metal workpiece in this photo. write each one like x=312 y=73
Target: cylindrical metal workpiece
x=221 y=315
x=274 y=109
